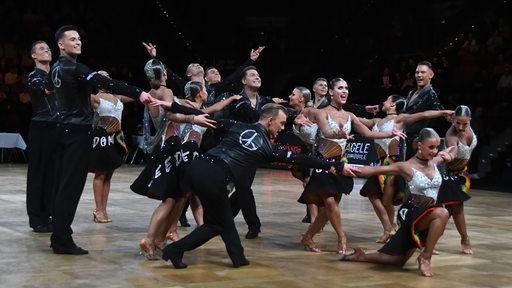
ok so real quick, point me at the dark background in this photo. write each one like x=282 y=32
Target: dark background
x=345 y=38
x=354 y=40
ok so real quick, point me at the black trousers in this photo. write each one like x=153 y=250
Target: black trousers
x=74 y=151
x=243 y=199
x=208 y=180
x=40 y=172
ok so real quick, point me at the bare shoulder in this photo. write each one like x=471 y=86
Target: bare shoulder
x=163 y=94
x=310 y=113
x=345 y=115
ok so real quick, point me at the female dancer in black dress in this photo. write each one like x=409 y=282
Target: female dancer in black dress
x=386 y=191
x=421 y=221
x=456 y=181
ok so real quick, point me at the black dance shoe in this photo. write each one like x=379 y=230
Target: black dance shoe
x=306 y=219
x=184 y=222
x=169 y=253
x=244 y=262
x=251 y=234
x=70 y=249
x=43 y=228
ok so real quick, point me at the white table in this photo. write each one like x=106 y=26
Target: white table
x=9 y=141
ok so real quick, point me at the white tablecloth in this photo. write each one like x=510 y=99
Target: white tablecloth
x=12 y=140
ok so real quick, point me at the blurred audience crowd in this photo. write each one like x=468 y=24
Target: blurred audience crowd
x=473 y=68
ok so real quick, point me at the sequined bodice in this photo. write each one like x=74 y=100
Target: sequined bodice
x=107 y=108
x=335 y=127
x=422 y=185
x=192 y=132
x=463 y=151
x=387 y=127
x=462 y=156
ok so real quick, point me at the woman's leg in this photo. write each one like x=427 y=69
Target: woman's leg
x=106 y=192
x=98 y=187
x=174 y=216
x=383 y=216
x=159 y=222
x=387 y=201
x=333 y=213
x=435 y=221
x=359 y=255
x=313 y=229
x=313 y=212
x=457 y=212
x=197 y=209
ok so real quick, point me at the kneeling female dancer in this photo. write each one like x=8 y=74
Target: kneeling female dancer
x=421 y=222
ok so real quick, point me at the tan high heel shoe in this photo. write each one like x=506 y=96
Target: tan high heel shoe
x=308 y=243
x=357 y=255
x=466 y=246
x=106 y=216
x=385 y=236
x=173 y=236
x=424 y=266
x=99 y=217
x=342 y=246
x=160 y=245
x=148 y=249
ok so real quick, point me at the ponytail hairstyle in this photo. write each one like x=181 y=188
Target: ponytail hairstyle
x=154 y=71
x=462 y=111
x=192 y=88
x=399 y=102
x=304 y=93
x=427 y=133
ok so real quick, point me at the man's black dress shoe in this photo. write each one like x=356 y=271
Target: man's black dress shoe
x=244 y=262
x=43 y=228
x=184 y=222
x=252 y=234
x=70 y=249
x=169 y=253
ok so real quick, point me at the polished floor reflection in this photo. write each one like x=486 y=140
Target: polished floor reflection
x=277 y=258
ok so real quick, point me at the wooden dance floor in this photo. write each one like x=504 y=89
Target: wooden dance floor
x=277 y=257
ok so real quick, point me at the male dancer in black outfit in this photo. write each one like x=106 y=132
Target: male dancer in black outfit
x=41 y=142
x=216 y=91
x=420 y=99
x=73 y=84
x=246 y=146
x=247 y=110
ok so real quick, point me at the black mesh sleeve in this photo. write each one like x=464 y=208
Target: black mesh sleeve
x=113 y=86
x=285 y=156
x=177 y=108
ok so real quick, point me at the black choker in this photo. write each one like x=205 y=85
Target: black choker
x=161 y=85
x=335 y=107
x=421 y=159
x=391 y=114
